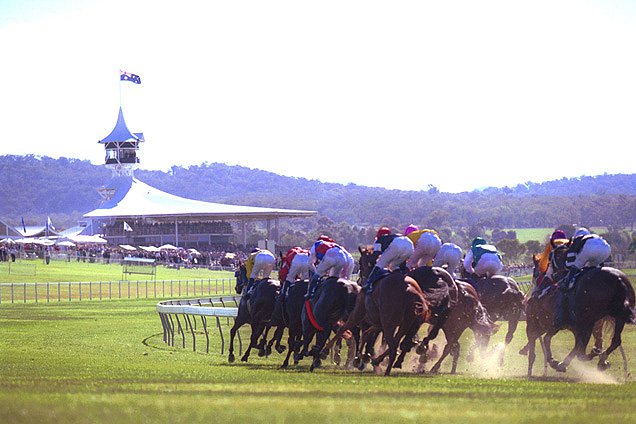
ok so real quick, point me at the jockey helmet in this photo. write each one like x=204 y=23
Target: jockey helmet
x=411 y=228
x=477 y=241
x=558 y=234
x=383 y=231
x=326 y=238
x=582 y=232
x=256 y=249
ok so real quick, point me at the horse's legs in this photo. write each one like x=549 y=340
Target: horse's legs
x=257 y=330
x=582 y=337
x=616 y=342
x=237 y=324
x=597 y=334
x=445 y=352
x=392 y=343
x=262 y=345
x=432 y=334
x=531 y=353
x=545 y=357
x=293 y=346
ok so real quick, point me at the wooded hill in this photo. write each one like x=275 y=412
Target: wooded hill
x=38 y=186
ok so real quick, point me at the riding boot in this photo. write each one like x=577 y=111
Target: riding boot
x=375 y=275
x=313 y=283
x=249 y=288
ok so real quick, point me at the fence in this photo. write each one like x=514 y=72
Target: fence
x=105 y=290
x=189 y=309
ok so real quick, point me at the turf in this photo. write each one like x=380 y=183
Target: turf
x=105 y=362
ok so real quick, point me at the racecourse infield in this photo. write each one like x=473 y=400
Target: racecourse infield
x=79 y=362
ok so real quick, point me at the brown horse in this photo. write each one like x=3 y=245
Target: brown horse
x=541 y=309
x=468 y=312
x=599 y=292
x=502 y=298
x=441 y=292
x=397 y=307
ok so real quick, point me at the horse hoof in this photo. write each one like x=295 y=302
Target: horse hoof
x=434 y=370
x=324 y=354
x=268 y=351
x=366 y=358
x=524 y=350
x=594 y=352
x=603 y=365
x=421 y=349
x=560 y=367
x=262 y=352
x=244 y=359
x=281 y=348
x=231 y=358
x=284 y=366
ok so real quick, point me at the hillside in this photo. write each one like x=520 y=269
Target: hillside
x=34 y=187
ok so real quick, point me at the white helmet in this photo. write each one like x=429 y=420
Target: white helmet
x=581 y=232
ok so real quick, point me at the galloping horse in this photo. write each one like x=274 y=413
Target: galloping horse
x=468 y=312
x=292 y=310
x=333 y=301
x=598 y=292
x=398 y=308
x=502 y=298
x=257 y=311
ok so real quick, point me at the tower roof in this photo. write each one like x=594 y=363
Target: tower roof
x=121 y=132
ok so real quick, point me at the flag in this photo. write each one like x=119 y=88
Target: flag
x=127 y=76
x=23 y=226
x=49 y=224
x=127 y=227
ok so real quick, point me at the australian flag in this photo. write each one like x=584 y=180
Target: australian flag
x=127 y=76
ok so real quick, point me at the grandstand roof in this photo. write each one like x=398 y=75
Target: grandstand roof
x=135 y=199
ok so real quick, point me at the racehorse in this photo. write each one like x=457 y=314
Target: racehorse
x=292 y=309
x=257 y=311
x=502 y=298
x=397 y=307
x=333 y=301
x=468 y=312
x=598 y=292
x=441 y=292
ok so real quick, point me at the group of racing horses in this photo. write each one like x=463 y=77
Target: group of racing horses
x=402 y=302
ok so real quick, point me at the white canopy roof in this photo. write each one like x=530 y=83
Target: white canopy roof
x=134 y=198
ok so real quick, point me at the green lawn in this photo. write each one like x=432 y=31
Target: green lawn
x=94 y=362
x=34 y=270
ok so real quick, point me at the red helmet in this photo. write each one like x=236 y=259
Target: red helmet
x=326 y=238
x=383 y=231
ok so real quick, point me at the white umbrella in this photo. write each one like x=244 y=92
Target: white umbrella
x=168 y=247
x=66 y=244
x=127 y=247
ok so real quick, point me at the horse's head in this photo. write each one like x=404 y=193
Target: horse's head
x=367 y=261
x=241 y=277
x=557 y=261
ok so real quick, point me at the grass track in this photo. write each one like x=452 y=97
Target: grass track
x=105 y=362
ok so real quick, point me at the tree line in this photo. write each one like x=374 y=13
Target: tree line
x=65 y=188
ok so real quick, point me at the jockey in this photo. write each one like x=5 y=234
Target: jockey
x=332 y=260
x=295 y=266
x=259 y=262
x=426 y=244
x=557 y=238
x=393 y=249
x=586 y=250
x=450 y=255
x=482 y=259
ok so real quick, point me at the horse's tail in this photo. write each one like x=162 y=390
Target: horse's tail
x=482 y=322
x=625 y=301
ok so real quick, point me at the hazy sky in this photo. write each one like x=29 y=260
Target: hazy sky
x=401 y=94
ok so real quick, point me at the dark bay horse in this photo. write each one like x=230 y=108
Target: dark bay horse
x=441 y=292
x=333 y=301
x=292 y=311
x=256 y=311
x=502 y=298
x=467 y=312
x=397 y=307
x=599 y=292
